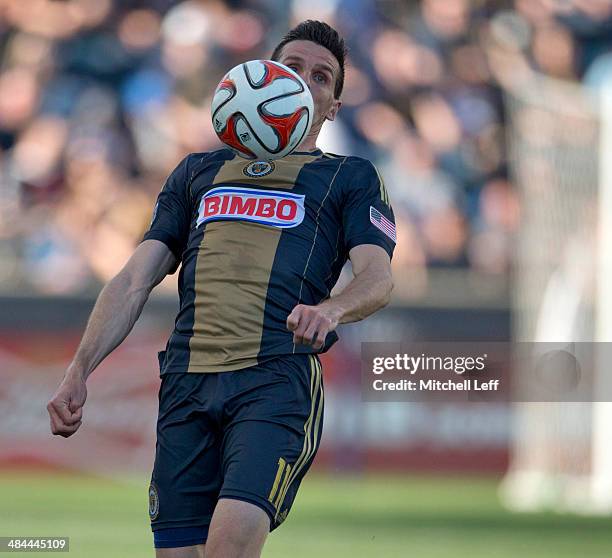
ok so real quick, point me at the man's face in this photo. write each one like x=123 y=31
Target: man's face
x=319 y=68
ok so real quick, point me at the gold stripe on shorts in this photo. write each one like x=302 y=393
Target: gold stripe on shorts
x=279 y=476
x=311 y=435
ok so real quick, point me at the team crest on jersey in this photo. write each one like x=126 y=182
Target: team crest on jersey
x=258 y=169
x=153 y=502
x=267 y=207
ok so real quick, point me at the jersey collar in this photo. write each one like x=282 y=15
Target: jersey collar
x=313 y=152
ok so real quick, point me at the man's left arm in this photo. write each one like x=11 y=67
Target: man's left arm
x=369 y=291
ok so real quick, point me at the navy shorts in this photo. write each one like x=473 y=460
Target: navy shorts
x=249 y=435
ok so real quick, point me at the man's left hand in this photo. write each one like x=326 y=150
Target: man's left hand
x=311 y=324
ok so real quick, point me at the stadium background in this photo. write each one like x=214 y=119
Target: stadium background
x=100 y=98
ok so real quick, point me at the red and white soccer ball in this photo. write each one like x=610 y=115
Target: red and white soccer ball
x=262 y=110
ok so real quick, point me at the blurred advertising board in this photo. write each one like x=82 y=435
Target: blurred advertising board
x=38 y=337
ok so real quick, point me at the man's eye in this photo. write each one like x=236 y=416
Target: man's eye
x=322 y=78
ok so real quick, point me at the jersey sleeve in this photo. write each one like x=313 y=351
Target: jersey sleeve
x=172 y=213
x=367 y=213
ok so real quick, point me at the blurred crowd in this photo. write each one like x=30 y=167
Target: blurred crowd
x=99 y=100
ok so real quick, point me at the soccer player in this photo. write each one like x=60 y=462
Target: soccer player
x=241 y=396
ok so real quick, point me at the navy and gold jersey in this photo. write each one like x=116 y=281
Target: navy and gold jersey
x=254 y=240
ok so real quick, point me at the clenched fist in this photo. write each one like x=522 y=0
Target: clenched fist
x=311 y=324
x=66 y=406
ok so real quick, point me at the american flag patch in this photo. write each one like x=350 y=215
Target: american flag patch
x=382 y=223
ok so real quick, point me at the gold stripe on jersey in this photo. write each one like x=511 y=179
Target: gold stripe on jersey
x=384 y=196
x=283 y=176
x=311 y=431
x=231 y=282
x=232 y=274
x=314 y=240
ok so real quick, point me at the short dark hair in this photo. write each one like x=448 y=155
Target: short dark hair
x=322 y=34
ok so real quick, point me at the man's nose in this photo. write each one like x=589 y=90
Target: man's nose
x=306 y=77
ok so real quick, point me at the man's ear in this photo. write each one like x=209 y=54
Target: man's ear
x=331 y=113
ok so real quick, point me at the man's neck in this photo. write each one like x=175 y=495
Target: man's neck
x=309 y=144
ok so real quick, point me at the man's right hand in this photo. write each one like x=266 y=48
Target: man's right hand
x=66 y=406
x=114 y=314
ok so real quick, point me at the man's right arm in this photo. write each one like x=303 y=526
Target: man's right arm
x=115 y=313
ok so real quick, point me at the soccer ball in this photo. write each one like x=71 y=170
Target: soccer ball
x=262 y=110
